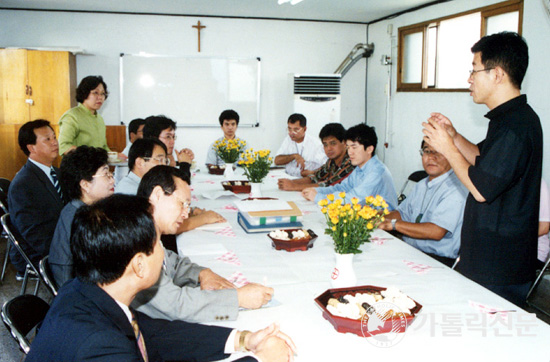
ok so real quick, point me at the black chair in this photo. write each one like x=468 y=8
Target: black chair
x=30 y=270
x=4 y=184
x=46 y=272
x=21 y=315
x=414 y=177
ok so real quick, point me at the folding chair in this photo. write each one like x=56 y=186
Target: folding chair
x=30 y=269
x=4 y=210
x=45 y=271
x=539 y=294
x=414 y=177
x=21 y=315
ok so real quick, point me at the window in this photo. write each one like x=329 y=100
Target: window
x=435 y=55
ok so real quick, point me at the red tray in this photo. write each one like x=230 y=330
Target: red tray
x=215 y=170
x=293 y=245
x=243 y=188
x=360 y=327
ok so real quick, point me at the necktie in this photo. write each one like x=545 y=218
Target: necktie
x=139 y=338
x=56 y=182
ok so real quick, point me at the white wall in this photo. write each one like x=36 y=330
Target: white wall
x=285 y=47
x=408 y=110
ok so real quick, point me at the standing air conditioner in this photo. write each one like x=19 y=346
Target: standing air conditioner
x=317 y=97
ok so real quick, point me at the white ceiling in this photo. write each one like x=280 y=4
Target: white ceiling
x=360 y=11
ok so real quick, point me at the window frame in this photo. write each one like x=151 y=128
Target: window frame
x=485 y=12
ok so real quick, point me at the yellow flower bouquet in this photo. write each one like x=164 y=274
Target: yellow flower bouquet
x=256 y=164
x=230 y=150
x=351 y=224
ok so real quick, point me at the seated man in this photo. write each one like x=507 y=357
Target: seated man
x=34 y=196
x=117 y=255
x=370 y=177
x=145 y=154
x=164 y=129
x=177 y=295
x=229 y=122
x=334 y=171
x=135 y=132
x=299 y=151
x=430 y=219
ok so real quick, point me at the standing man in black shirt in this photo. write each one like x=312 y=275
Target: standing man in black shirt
x=502 y=173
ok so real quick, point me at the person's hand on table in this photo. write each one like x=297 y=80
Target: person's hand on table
x=185 y=155
x=197 y=211
x=300 y=161
x=309 y=193
x=212 y=281
x=305 y=173
x=253 y=295
x=122 y=156
x=385 y=225
x=210 y=217
x=270 y=344
x=284 y=184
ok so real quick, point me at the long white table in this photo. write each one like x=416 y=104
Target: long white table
x=448 y=328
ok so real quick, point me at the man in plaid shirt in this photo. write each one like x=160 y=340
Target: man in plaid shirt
x=337 y=167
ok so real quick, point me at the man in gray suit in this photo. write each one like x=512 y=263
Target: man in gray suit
x=186 y=291
x=34 y=197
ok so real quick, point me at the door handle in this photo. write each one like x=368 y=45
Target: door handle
x=29 y=101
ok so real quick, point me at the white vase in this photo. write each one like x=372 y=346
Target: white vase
x=255 y=189
x=343 y=274
x=228 y=173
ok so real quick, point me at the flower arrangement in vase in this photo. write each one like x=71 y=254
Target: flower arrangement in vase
x=230 y=150
x=256 y=164
x=351 y=224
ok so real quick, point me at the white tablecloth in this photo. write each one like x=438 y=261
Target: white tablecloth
x=447 y=328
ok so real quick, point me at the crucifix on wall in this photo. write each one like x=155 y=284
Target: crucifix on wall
x=199 y=27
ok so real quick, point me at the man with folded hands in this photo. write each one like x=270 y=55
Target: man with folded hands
x=430 y=218
x=334 y=171
x=117 y=254
x=186 y=291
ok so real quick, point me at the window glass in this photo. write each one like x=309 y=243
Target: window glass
x=432 y=55
x=507 y=21
x=456 y=37
x=412 y=72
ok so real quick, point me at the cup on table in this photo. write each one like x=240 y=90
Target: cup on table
x=113 y=156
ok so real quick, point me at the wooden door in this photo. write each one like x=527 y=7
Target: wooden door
x=13 y=86
x=51 y=77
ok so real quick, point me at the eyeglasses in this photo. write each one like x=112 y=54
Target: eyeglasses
x=159 y=159
x=169 y=137
x=428 y=152
x=295 y=130
x=473 y=72
x=98 y=94
x=107 y=174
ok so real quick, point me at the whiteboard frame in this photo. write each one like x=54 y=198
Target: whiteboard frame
x=147 y=55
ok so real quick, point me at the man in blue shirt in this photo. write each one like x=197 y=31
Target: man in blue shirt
x=370 y=177
x=430 y=219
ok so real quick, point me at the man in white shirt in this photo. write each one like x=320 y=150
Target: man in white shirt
x=299 y=151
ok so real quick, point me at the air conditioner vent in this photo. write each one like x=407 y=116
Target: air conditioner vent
x=317 y=84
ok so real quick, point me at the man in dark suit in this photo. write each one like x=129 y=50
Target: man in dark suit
x=34 y=201
x=117 y=253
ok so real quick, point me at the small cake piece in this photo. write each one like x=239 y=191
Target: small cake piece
x=279 y=234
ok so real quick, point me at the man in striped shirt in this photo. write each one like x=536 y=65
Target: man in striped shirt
x=337 y=167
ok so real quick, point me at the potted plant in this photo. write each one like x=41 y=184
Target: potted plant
x=256 y=167
x=229 y=151
x=350 y=225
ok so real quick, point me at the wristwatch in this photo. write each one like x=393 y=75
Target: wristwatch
x=393 y=222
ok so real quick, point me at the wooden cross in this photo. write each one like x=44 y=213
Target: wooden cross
x=199 y=27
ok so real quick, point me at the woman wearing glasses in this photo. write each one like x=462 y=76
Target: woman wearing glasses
x=85 y=179
x=83 y=125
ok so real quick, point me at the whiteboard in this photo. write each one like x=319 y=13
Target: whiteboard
x=192 y=91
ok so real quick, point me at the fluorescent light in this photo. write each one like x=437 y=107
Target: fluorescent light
x=294 y=2
x=283 y=1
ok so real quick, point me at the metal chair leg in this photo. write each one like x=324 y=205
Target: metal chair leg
x=25 y=280
x=6 y=258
